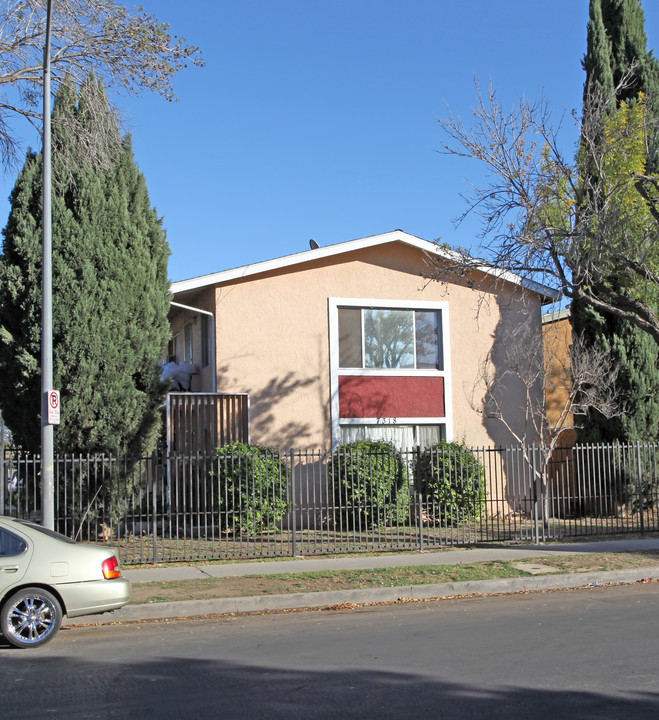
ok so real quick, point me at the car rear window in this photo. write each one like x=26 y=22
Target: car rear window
x=46 y=531
x=11 y=544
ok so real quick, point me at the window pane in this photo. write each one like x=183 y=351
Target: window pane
x=428 y=340
x=352 y=433
x=401 y=436
x=430 y=435
x=10 y=544
x=205 y=340
x=47 y=531
x=389 y=338
x=350 y=337
x=172 y=349
x=187 y=342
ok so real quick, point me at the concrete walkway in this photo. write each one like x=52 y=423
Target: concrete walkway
x=194 y=608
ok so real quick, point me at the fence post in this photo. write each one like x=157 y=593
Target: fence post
x=641 y=499
x=293 y=502
x=154 y=504
x=418 y=495
x=535 y=496
x=3 y=479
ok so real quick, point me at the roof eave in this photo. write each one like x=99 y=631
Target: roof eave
x=328 y=251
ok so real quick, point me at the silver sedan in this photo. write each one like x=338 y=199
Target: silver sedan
x=45 y=575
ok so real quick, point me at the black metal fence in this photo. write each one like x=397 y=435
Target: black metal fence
x=256 y=504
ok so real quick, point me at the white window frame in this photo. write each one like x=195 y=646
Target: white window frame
x=334 y=303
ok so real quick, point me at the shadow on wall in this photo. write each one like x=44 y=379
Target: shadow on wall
x=374 y=405
x=511 y=378
x=269 y=403
x=263 y=410
x=510 y=391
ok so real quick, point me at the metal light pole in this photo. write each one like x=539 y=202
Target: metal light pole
x=47 y=453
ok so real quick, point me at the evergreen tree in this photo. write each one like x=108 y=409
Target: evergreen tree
x=109 y=297
x=597 y=61
x=617 y=61
x=623 y=24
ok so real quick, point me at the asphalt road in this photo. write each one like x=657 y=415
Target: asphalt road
x=576 y=654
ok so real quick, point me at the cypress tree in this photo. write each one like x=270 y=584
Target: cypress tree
x=617 y=50
x=624 y=26
x=597 y=61
x=109 y=296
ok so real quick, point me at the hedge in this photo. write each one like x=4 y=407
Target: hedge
x=252 y=486
x=370 y=484
x=451 y=482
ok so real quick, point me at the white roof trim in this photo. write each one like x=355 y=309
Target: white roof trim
x=557 y=315
x=426 y=246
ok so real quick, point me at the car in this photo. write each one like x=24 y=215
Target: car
x=45 y=575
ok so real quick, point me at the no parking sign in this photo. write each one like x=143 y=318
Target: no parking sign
x=53 y=407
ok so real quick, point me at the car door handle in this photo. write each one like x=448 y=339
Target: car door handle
x=9 y=568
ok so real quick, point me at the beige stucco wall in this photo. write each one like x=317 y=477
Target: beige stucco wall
x=557 y=338
x=273 y=339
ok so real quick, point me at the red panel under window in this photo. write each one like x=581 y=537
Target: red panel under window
x=391 y=397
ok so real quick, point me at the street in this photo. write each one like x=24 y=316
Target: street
x=578 y=654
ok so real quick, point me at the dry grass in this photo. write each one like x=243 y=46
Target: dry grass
x=208 y=588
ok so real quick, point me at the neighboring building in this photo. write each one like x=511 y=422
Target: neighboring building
x=352 y=340
x=557 y=339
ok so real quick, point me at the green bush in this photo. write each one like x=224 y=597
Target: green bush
x=252 y=486
x=451 y=482
x=370 y=482
x=636 y=482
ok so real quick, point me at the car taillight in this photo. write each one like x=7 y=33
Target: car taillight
x=111 y=568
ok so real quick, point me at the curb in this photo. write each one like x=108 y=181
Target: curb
x=317 y=600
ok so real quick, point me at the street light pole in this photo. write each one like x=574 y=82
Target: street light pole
x=47 y=452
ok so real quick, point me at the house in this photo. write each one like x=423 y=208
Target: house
x=353 y=340
x=557 y=340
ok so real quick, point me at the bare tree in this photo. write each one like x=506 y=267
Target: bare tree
x=588 y=225
x=128 y=50
x=579 y=377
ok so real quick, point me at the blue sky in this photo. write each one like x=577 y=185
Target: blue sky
x=318 y=118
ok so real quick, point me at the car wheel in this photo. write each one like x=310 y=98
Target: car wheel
x=30 y=617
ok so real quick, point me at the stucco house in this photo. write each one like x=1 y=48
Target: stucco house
x=352 y=340
x=557 y=339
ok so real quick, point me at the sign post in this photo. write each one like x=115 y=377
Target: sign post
x=47 y=452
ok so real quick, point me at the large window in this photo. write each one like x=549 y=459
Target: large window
x=403 y=437
x=390 y=370
x=390 y=338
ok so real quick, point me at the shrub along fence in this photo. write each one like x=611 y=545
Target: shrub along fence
x=246 y=501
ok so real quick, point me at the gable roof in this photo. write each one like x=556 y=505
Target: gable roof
x=430 y=248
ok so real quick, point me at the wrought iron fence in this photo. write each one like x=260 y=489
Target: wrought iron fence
x=251 y=503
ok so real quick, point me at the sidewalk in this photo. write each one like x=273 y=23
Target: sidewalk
x=219 y=606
